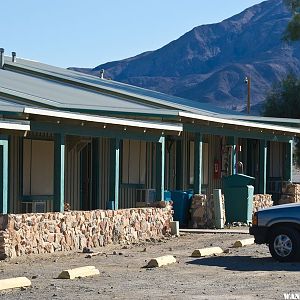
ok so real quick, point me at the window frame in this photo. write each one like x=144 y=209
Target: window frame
x=128 y=183
x=32 y=197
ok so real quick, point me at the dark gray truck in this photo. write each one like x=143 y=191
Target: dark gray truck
x=279 y=227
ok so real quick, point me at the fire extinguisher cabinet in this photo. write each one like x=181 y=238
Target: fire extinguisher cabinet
x=238 y=194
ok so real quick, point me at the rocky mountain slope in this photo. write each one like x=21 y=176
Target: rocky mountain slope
x=210 y=62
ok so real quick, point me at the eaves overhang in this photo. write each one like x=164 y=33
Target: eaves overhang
x=14 y=125
x=241 y=125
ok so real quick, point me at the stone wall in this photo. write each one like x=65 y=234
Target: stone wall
x=22 y=234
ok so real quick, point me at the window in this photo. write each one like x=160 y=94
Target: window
x=38 y=167
x=134 y=162
x=205 y=163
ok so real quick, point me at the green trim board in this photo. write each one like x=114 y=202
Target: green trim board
x=263 y=150
x=4 y=174
x=59 y=172
x=198 y=163
x=234 y=132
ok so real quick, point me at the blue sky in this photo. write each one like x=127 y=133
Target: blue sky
x=87 y=33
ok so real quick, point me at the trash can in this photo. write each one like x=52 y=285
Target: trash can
x=238 y=194
x=167 y=196
x=181 y=205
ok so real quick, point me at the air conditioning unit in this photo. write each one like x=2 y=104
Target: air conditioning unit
x=34 y=207
x=144 y=197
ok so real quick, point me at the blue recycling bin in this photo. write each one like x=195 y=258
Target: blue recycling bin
x=167 y=196
x=181 y=204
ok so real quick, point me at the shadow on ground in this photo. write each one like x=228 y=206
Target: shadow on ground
x=246 y=263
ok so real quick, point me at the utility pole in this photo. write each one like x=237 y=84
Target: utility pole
x=248 y=82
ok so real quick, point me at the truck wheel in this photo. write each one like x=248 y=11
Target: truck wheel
x=284 y=244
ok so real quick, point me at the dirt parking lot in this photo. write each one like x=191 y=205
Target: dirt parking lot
x=243 y=273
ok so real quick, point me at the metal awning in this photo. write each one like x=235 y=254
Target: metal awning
x=104 y=120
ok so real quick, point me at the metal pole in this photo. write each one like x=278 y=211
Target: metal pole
x=248 y=99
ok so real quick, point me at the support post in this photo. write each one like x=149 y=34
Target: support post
x=160 y=169
x=198 y=163
x=59 y=172
x=289 y=161
x=263 y=148
x=232 y=141
x=95 y=173
x=234 y=155
x=114 y=178
x=3 y=175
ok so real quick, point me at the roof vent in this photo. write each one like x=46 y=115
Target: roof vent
x=102 y=73
x=1 y=58
x=13 y=56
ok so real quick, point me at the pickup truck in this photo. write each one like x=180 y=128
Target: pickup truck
x=279 y=228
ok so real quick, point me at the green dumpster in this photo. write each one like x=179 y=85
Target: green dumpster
x=238 y=194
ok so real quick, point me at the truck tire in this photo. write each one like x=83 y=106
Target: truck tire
x=284 y=244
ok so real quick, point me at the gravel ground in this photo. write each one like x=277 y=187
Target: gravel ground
x=243 y=273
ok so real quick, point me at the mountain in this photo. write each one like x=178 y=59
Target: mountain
x=210 y=62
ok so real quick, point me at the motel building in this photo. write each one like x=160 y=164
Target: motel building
x=106 y=148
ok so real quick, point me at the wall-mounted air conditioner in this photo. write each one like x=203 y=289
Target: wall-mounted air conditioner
x=144 y=197
x=34 y=207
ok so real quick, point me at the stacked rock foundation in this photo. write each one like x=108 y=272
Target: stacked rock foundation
x=291 y=194
x=203 y=212
x=23 y=234
x=262 y=201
